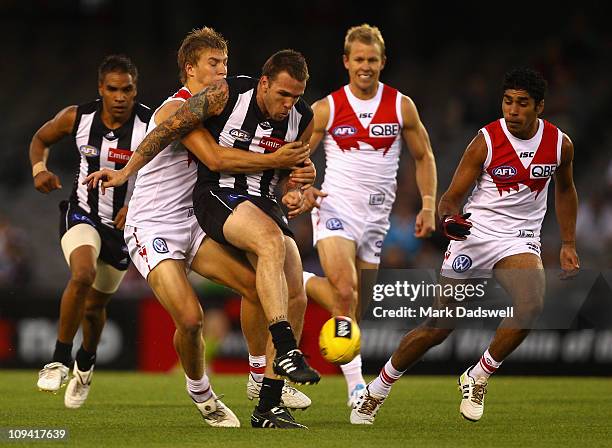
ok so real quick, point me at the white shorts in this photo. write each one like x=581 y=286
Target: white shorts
x=148 y=246
x=475 y=257
x=368 y=227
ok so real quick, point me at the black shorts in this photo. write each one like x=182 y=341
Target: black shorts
x=213 y=207
x=114 y=251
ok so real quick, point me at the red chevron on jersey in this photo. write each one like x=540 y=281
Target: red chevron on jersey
x=506 y=168
x=348 y=132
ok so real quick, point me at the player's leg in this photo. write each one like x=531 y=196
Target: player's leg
x=338 y=258
x=337 y=255
x=105 y=285
x=411 y=349
x=352 y=370
x=81 y=246
x=271 y=410
x=522 y=276
x=170 y=285
x=320 y=290
x=266 y=240
x=229 y=267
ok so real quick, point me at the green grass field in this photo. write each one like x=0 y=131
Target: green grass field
x=134 y=409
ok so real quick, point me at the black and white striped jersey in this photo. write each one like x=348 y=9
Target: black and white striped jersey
x=243 y=126
x=100 y=147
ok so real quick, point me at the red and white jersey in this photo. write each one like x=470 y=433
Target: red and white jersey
x=362 y=144
x=164 y=186
x=510 y=195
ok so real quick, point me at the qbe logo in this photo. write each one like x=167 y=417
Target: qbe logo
x=462 y=263
x=384 y=130
x=343 y=328
x=160 y=246
x=541 y=171
x=504 y=172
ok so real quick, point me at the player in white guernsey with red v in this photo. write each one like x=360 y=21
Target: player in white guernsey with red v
x=362 y=126
x=511 y=161
x=165 y=240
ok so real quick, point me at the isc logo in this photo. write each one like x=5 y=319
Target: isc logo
x=541 y=171
x=366 y=114
x=524 y=154
x=504 y=172
x=384 y=129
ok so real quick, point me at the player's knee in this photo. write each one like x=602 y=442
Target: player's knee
x=529 y=309
x=190 y=324
x=271 y=243
x=83 y=276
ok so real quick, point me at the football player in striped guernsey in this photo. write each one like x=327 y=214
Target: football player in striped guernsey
x=165 y=240
x=104 y=132
x=252 y=115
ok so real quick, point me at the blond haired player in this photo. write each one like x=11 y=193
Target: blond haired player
x=362 y=126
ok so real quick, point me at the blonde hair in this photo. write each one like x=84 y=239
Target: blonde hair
x=366 y=34
x=194 y=43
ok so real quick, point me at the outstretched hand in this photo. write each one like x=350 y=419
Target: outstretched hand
x=106 y=178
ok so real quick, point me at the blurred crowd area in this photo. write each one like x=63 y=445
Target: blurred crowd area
x=450 y=64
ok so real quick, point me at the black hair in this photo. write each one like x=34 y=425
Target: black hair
x=117 y=63
x=527 y=79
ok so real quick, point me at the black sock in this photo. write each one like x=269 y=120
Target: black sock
x=282 y=337
x=270 y=394
x=85 y=359
x=63 y=353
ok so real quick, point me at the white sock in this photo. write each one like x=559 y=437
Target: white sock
x=352 y=373
x=307 y=276
x=199 y=390
x=257 y=367
x=388 y=375
x=486 y=367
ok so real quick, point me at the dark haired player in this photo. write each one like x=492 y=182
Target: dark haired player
x=240 y=210
x=105 y=133
x=511 y=161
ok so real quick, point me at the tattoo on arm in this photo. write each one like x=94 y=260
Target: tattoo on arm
x=198 y=108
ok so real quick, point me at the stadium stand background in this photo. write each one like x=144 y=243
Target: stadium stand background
x=450 y=62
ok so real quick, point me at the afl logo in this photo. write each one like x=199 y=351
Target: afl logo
x=343 y=131
x=504 y=172
x=240 y=135
x=462 y=263
x=89 y=151
x=160 y=246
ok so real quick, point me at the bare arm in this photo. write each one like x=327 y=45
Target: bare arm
x=465 y=175
x=221 y=159
x=319 y=122
x=566 y=207
x=417 y=139
x=51 y=132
